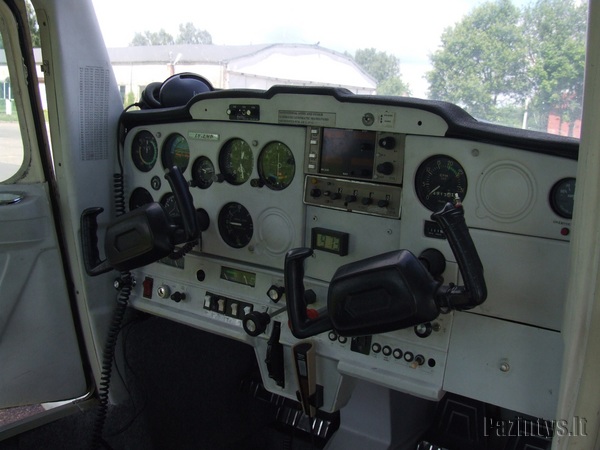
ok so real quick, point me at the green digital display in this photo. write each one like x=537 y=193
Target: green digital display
x=330 y=241
x=238 y=276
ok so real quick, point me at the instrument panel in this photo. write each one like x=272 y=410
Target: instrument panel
x=353 y=177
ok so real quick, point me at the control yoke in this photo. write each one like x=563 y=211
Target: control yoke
x=390 y=291
x=141 y=236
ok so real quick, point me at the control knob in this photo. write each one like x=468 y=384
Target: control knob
x=387 y=142
x=386 y=168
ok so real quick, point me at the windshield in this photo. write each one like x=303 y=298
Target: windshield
x=519 y=63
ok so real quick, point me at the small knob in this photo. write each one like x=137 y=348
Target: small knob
x=386 y=168
x=178 y=296
x=387 y=142
x=256 y=323
x=366 y=201
x=315 y=193
x=350 y=198
x=423 y=329
x=383 y=203
x=164 y=291
x=275 y=292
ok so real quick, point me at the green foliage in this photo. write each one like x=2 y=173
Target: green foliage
x=393 y=86
x=499 y=58
x=152 y=38
x=34 y=28
x=556 y=34
x=385 y=69
x=188 y=34
x=379 y=65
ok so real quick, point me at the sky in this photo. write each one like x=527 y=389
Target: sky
x=409 y=30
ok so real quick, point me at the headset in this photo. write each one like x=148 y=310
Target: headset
x=176 y=90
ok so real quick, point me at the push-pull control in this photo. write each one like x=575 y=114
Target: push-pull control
x=255 y=322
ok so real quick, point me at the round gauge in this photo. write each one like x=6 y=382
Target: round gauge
x=438 y=179
x=170 y=205
x=562 y=197
x=235 y=225
x=144 y=151
x=176 y=152
x=203 y=172
x=139 y=197
x=236 y=161
x=276 y=165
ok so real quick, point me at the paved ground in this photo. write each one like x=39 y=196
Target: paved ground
x=11 y=149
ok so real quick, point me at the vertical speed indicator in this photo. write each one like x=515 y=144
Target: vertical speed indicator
x=438 y=179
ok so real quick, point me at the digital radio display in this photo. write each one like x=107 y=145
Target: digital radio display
x=348 y=153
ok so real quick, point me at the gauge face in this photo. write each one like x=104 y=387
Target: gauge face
x=562 y=197
x=144 y=151
x=235 y=225
x=139 y=197
x=236 y=161
x=170 y=204
x=437 y=181
x=203 y=173
x=175 y=152
x=276 y=165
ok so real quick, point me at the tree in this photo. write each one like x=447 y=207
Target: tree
x=152 y=38
x=499 y=58
x=556 y=34
x=481 y=64
x=189 y=34
x=34 y=28
x=384 y=68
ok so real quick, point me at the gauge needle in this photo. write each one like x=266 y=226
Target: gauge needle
x=433 y=190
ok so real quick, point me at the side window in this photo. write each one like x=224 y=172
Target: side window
x=11 y=143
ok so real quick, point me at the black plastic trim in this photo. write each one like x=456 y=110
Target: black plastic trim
x=461 y=125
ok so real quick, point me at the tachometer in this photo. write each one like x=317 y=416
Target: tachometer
x=438 y=179
x=144 y=151
x=175 y=152
x=276 y=165
x=236 y=161
x=235 y=225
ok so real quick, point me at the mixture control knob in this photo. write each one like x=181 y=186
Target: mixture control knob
x=386 y=168
x=315 y=193
x=275 y=292
x=383 y=203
